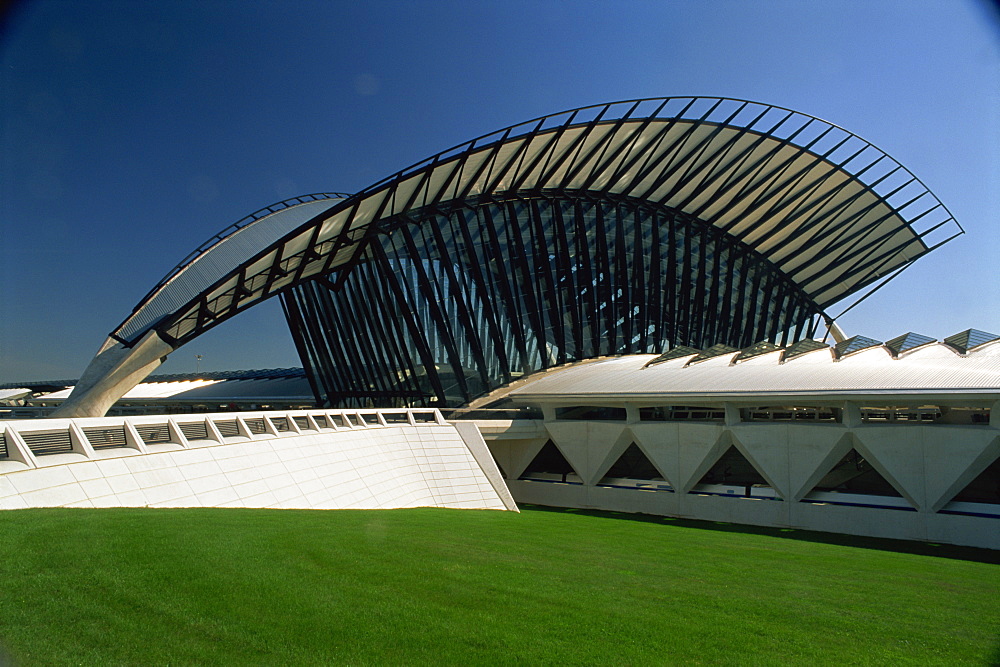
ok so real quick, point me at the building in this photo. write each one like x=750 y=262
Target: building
x=647 y=241
x=897 y=439
x=178 y=393
x=624 y=228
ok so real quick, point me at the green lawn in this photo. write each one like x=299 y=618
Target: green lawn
x=451 y=586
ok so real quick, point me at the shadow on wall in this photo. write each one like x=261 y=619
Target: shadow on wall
x=952 y=551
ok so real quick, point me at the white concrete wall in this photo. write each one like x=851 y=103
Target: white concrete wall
x=927 y=463
x=362 y=466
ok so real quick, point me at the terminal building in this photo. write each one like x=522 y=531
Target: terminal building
x=647 y=289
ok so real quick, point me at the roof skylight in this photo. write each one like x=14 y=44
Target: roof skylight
x=802 y=347
x=970 y=339
x=907 y=341
x=855 y=344
x=715 y=351
x=760 y=348
x=676 y=353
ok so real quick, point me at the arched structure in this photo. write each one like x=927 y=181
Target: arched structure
x=613 y=229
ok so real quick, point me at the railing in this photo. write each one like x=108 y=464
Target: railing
x=107 y=437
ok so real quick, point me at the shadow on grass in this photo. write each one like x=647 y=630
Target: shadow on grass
x=974 y=554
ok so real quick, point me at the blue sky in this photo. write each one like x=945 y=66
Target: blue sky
x=132 y=131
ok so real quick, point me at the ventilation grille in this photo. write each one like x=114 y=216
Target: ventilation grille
x=195 y=431
x=228 y=428
x=3 y=445
x=280 y=424
x=256 y=426
x=53 y=442
x=154 y=434
x=105 y=437
x=303 y=423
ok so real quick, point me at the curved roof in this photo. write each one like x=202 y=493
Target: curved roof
x=932 y=369
x=214 y=258
x=828 y=209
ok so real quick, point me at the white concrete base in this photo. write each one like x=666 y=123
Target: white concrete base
x=359 y=466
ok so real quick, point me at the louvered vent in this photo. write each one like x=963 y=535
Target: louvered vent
x=106 y=437
x=195 y=431
x=52 y=442
x=280 y=424
x=303 y=423
x=154 y=434
x=256 y=426
x=228 y=428
x=396 y=417
x=3 y=445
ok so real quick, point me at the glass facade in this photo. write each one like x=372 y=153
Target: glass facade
x=444 y=304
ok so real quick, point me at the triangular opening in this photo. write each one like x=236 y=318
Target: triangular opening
x=632 y=469
x=983 y=490
x=854 y=481
x=733 y=475
x=549 y=465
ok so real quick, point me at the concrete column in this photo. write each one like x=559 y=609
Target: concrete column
x=631 y=414
x=111 y=373
x=733 y=417
x=852 y=415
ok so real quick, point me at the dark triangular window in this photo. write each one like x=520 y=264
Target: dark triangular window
x=733 y=468
x=549 y=464
x=853 y=474
x=983 y=489
x=733 y=475
x=632 y=464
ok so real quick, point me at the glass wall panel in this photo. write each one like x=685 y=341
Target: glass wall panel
x=446 y=304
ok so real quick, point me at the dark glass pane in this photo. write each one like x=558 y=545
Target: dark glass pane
x=444 y=305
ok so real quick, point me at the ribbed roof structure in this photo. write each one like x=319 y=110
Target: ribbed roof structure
x=829 y=210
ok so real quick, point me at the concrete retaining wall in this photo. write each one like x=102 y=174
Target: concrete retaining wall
x=927 y=463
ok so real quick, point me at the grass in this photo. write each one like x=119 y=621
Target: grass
x=208 y=586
